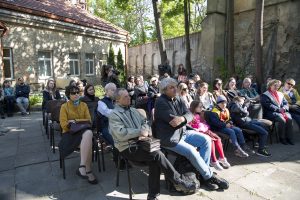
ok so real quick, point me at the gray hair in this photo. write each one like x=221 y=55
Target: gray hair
x=109 y=86
x=165 y=83
x=117 y=95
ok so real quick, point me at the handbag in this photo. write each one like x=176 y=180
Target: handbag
x=77 y=126
x=149 y=144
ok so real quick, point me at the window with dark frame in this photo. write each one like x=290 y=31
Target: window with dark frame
x=8 y=63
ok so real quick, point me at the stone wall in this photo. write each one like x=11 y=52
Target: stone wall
x=281 y=47
x=280 y=51
x=27 y=38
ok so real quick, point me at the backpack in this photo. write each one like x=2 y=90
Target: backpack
x=187 y=170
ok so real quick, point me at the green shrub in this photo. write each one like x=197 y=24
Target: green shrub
x=99 y=91
x=35 y=99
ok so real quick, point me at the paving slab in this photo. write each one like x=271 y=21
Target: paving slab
x=30 y=158
x=7 y=163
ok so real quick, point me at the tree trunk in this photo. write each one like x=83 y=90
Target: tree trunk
x=259 y=13
x=230 y=37
x=188 y=64
x=159 y=31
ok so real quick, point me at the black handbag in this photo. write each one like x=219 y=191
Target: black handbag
x=76 y=127
x=149 y=144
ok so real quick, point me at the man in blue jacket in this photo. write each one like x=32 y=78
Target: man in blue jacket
x=22 y=95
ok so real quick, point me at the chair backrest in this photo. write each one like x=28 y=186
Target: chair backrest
x=51 y=104
x=55 y=111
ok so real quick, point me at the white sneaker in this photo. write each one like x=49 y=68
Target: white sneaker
x=224 y=163
x=216 y=165
x=240 y=153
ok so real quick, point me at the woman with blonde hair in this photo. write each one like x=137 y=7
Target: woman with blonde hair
x=183 y=92
x=50 y=93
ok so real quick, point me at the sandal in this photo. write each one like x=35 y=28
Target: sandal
x=79 y=174
x=93 y=182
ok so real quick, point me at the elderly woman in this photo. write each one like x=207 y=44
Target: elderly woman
x=292 y=96
x=217 y=87
x=255 y=109
x=275 y=108
x=183 y=92
x=71 y=112
x=206 y=98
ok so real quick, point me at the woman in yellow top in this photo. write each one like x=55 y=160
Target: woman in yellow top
x=70 y=112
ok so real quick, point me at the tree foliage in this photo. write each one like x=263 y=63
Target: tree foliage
x=111 y=56
x=136 y=16
x=120 y=67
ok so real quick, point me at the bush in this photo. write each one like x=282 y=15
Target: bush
x=99 y=91
x=35 y=99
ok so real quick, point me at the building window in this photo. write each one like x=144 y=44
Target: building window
x=45 y=63
x=74 y=64
x=8 y=64
x=89 y=64
x=103 y=59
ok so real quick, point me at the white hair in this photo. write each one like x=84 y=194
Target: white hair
x=109 y=86
x=165 y=83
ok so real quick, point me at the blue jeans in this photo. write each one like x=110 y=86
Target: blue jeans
x=236 y=136
x=258 y=127
x=22 y=103
x=187 y=148
x=107 y=136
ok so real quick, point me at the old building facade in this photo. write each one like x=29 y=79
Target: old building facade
x=56 y=39
x=281 y=47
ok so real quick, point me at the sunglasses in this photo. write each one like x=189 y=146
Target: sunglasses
x=219 y=83
x=290 y=84
x=74 y=93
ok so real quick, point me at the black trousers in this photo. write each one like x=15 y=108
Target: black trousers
x=156 y=161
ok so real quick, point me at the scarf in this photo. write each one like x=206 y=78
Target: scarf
x=76 y=102
x=276 y=97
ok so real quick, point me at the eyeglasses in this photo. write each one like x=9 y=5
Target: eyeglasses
x=290 y=84
x=219 y=83
x=74 y=93
x=184 y=88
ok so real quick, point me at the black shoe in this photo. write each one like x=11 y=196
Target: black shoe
x=208 y=184
x=184 y=186
x=220 y=182
x=283 y=141
x=152 y=197
x=2 y=117
x=290 y=142
x=263 y=152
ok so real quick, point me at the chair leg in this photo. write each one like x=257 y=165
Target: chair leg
x=60 y=160
x=102 y=155
x=129 y=180
x=64 y=168
x=97 y=155
x=118 y=171
x=53 y=139
x=50 y=133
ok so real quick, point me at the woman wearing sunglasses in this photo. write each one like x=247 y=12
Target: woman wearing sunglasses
x=71 y=112
x=218 y=89
x=183 y=92
x=292 y=96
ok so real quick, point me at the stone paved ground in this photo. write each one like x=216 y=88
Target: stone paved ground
x=29 y=170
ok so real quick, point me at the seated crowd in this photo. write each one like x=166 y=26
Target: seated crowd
x=189 y=120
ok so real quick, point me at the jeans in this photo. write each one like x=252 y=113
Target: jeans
x=23 y=104
x=258 y=128
x=187 y=148
x=236 y=136
x=156 y=161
